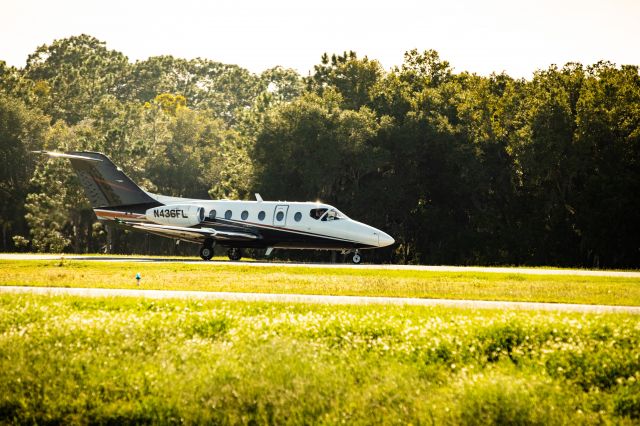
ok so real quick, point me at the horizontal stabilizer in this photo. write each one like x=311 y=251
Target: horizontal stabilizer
x=65 y=155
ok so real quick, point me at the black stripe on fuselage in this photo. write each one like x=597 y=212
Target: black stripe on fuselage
x=281 y=237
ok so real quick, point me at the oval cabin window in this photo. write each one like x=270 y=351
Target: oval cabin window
x=297 y=217
x=244 y=215
x=261 y=215
x=228 y=214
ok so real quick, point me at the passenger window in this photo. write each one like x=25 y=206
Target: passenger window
x=297 y=217
x=261 y=215
x=279 y=216
x=228 y=214
x=244 y=215
x=317 y=213
x=212 y=214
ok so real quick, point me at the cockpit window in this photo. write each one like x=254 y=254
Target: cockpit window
x=317 y=213
x=333 y=214
x=327 y=214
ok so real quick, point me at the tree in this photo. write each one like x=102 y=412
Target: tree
x=284 y=84
x=311 y=149
x=424 y=69
x=607 y=135
x=21 y=130
x=46 y=210
x=192 y=153
x=223 y=89
x=351 y=77
x=78 y=71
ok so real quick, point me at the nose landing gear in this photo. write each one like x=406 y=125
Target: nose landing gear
x=355 y=257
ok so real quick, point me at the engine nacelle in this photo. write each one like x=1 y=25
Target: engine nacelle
x=176 y=214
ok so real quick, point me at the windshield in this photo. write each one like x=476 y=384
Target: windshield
x=325 y=214
x=333 y=214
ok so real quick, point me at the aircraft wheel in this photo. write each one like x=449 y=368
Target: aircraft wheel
x=356 y=258
x=234 y=254
x=206 y=253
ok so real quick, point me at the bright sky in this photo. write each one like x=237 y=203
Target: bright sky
x=480 y=36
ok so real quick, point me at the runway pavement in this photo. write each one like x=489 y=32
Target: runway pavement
x=317 y=299
x=433 y=268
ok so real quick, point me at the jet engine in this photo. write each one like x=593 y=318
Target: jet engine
x=176 y=215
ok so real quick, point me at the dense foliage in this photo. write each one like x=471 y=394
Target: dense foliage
x=458 y=168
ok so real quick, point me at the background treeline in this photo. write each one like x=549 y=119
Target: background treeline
x=459 y=168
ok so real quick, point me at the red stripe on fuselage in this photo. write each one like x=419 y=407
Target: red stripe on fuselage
x=109 y=214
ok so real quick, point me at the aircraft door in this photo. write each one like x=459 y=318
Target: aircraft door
x=280 y=215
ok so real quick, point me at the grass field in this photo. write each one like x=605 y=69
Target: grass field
x=112 y=361
x=305 y=280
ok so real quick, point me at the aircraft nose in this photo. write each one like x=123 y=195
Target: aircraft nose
x=385 y=239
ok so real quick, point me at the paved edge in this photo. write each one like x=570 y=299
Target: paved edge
x=318 y=299
x=430 y=268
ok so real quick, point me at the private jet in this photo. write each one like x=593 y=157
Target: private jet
x=233 y=224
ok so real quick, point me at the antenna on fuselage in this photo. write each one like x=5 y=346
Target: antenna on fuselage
x=258 y=197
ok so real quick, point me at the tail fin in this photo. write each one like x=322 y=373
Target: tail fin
x=105 y=184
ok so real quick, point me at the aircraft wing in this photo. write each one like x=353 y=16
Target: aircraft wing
x=192 y=234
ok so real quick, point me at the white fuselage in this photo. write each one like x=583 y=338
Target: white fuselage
x=281 y=223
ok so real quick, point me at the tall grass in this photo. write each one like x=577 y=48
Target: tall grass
x=108 y=361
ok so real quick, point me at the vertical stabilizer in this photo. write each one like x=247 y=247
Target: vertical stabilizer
x=105 y=185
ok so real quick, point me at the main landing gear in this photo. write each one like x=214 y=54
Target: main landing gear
x=206 y=251
x=234 y=254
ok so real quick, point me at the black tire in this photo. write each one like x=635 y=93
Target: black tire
x=206 y=252
x=234 y=254
x=356 y=258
